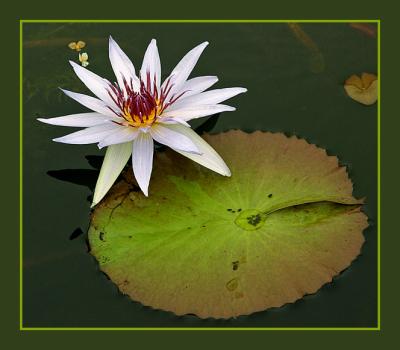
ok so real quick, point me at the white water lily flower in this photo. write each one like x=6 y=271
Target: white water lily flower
x=129 y=114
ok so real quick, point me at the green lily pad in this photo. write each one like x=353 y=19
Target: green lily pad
x=282 y=226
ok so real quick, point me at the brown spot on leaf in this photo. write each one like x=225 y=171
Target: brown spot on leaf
x=239 y=295
x=232 y=284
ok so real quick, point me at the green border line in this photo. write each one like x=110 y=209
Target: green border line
x=20 y=176
x=220 y=21
x=199 y=329
x=199 y=20
x=379 y=177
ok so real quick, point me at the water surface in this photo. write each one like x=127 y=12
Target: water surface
x=295 y=85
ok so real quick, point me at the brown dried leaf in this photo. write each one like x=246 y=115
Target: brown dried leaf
x=364 y=89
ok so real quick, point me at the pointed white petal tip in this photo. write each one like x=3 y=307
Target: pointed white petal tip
x=46 y=120
x=112 y=42
x=202 y=46
x=227 y=173
x=67 y=92
x=223 y=169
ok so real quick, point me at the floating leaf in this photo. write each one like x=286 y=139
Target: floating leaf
x=283 y=225
x=363 y=90
x=78 y=46
x=83 y=58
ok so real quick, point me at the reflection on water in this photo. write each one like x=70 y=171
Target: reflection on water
x=294 y=75
x=317 y=63
x=365 y=28
x=85 y=177
x=76 y=233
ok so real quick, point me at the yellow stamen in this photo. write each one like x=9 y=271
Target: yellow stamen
x=134 y=120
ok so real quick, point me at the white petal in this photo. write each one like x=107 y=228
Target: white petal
x=142 y=160
x=152 y=66
x=89 y=135
x=209 y=158
x=114 y=161
x=122 y=66
x=90 y=102
x=183 y=69
x=188 y=113
x=78 y=120
x=173 y=139
x=172 y=120
x=121 y=135
x=196 y=85
x=95 y=84
x=208 y=98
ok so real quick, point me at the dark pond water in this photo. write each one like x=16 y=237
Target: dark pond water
x=295 y=85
